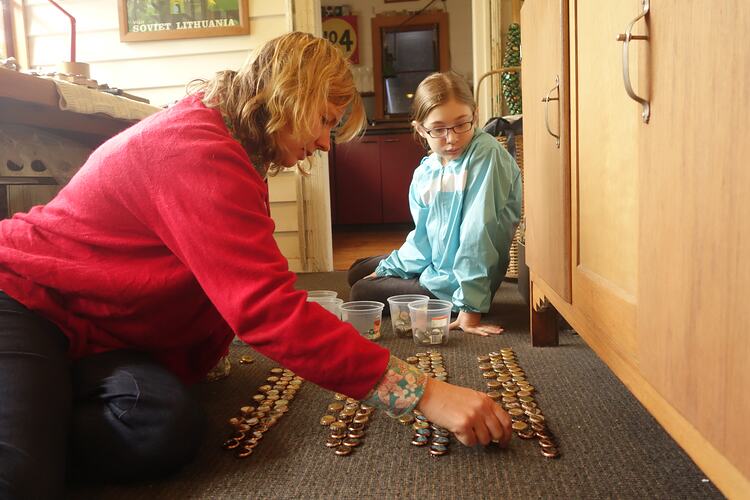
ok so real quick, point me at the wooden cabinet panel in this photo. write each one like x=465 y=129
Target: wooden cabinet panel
x=358 y=182
x=605 y=173
x=694 y=196
x=660 y=210
x=372 y=177
x=546 y=163
x=400 y=155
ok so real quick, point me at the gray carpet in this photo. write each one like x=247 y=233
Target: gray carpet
x=611 y=447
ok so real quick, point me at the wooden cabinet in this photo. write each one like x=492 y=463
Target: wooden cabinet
x=372 y=177
x=656 y=211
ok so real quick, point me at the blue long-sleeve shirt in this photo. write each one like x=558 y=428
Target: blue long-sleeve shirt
x=465 y=214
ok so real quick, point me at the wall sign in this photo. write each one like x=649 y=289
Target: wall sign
x=342 y=32
x=171 y=19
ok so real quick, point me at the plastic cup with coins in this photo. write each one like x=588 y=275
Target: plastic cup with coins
x=330 y=304
x=430 y=321
x=400 y=318
x=365 y=316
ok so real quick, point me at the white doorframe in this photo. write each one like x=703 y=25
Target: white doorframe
x=482 y=53
x=316 y=195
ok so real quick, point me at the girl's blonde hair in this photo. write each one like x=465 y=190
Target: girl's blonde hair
x=437 y=89
x=284 y=86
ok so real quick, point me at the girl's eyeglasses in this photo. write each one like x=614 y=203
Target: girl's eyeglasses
x=461 y=128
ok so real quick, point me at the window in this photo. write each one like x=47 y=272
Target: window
x=6 y=30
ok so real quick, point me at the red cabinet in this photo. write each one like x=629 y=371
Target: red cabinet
x=371 y=178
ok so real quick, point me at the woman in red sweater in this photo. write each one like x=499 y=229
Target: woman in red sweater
x=133 y=281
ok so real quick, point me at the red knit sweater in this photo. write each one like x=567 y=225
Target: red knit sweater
x=162 y=243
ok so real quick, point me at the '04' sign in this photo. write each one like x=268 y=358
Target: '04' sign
x=342 y=32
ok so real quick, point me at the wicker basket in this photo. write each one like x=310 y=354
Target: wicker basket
x=513 y=264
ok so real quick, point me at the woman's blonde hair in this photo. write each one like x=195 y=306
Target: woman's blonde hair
x=437 y=89
x=284 y=86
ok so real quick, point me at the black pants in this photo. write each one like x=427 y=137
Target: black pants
x=380 y=288
x=116 y=416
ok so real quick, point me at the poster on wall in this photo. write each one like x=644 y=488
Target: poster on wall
x=142 y=20
x=342 y=32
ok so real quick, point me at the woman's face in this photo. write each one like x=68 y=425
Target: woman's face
x=291 y=149
x=442 y=120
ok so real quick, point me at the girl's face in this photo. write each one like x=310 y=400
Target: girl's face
x=291 y=149
x=448 y=129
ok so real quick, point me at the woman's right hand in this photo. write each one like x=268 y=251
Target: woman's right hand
x=470 y=415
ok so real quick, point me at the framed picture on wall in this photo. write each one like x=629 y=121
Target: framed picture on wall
x=142 y=20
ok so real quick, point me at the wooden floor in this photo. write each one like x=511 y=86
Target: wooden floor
x=352 y=244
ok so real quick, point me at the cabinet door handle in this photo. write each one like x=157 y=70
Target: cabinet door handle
x=369 y=142
x=391 y=140
x=625 y=39
x=546 y=101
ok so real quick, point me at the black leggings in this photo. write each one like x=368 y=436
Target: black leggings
x=380 y=288
x=116 y=416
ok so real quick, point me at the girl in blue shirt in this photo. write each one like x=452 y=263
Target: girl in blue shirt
x=465 y=199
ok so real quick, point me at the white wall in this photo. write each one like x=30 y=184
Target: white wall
x=459 y=25
x=157 y=70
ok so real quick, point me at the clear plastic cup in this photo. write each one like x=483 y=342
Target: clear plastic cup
x=330 y=304
x=430 y=321
x=321 y=293
x=365 y=316
x=400 y=319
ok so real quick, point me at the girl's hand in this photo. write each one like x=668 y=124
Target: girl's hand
x=370 y=276
x=469 y=322
x=470 y=415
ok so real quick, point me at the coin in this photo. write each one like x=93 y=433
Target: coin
x=246 y=359
x=551 y=452
x=351 y=442
x=406 y=419
x=546 y=443
x=361 y=419
x=516 y=414
x=438 y=449
x=327 y=419
x=439 y=431
x=526 y=434
x=420 y=440
x=244 y=452
x=544 y=434
x=333 y=442
x=519 y=425
x=250 y=443
x=343 y=450
x=336 y=406
x=337 y=426
x=536 y=419
x=231 y=444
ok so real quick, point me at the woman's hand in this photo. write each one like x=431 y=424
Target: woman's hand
x=472 y=416
x=469 y=322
